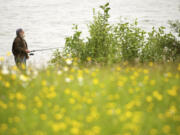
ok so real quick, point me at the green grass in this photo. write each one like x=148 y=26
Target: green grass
x=118 y=100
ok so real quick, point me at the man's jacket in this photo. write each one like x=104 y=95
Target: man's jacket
x=19 y=47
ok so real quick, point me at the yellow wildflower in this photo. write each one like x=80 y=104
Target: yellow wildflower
x=21 y=106
x=13 y=76
x=120 y=83
x=44 y=83
x=75 y=130
x=178 y=67
x=3 y=127
x=14 y=68
x=43 y=116
x=14 y=130
x=51 y=95
x=3 y=105
x=128 y=114
x=173 y=91
x=166 y=129
x=20 y=96
x=93 y=74
x=72 y=101
x=2 y=59
x=151 y=64
x=59 y=126
x=152 y=82
x=118 y=111
x=67 y=91
x=8 y=54
x=95 y=81
x=89 y=59
x=110 y=111
x=17 y=119
x=172 y=109
x=146 y=71
x=11 y=96
x=157 y=95
x=96 y=129
x=146 y=78
x=118 y=68
x=58 y=116
x=7 y=84
x=178 y=130
x=149 y=99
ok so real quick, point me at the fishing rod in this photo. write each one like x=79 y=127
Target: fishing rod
x=46 y=49
x=40 y=50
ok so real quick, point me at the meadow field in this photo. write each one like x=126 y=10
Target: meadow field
x=121 y=99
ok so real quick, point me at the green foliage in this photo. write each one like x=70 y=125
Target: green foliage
x=160 y=47
x=175 y=25
x=135 y=100
x=129 y=39
x=57 y=59
x=124 y=41
x=98 y=44
x=75 y=45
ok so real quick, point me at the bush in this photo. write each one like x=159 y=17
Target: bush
x=160 y=47
x=175 y=25
x=120 y=42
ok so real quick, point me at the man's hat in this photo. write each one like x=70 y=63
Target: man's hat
x=18 y=31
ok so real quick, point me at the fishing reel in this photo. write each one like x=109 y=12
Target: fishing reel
x=31 y=54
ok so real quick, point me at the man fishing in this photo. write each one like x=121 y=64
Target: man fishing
x=20 y=48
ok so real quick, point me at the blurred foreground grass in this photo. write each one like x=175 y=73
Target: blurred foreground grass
x=73 y=100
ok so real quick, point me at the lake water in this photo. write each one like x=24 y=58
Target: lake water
x=48 y=22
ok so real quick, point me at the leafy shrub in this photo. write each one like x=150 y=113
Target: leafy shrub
x=120 y=42
x=175 y=25
x=160 y=46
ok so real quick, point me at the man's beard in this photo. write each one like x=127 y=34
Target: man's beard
x=23 y=36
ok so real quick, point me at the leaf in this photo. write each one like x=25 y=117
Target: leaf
x=102 y=7
x=107 y=4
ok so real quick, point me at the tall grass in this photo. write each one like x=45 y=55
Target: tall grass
x=74 y=100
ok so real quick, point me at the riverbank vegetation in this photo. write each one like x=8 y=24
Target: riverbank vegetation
x=121 y=80
x=114 y=43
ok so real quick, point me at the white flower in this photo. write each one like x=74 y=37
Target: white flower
x=68 y=80
x=69 y=61
x=24 y=78
x=28 y=72
x=59 y=72
x=140 y=84
x=66 y=69
x=35 y=73
x=5 y=70
x=80 y=79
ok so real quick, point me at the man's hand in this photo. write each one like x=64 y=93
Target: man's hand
x=27 y=51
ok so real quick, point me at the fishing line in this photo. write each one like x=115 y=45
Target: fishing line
x=40 y=50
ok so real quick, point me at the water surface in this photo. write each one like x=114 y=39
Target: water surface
x=48 y=22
